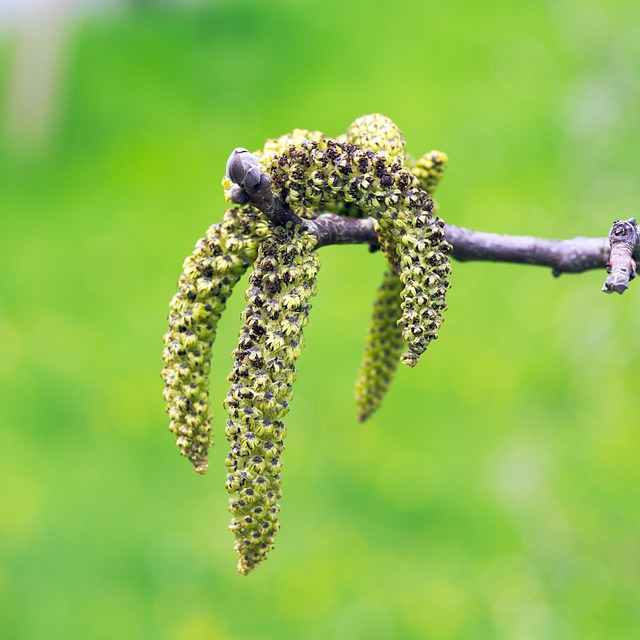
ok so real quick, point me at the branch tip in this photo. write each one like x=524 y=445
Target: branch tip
x=621 y=266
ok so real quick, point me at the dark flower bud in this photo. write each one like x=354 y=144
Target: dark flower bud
x=243 y=168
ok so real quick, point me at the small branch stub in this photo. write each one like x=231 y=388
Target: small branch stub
x=623 y=238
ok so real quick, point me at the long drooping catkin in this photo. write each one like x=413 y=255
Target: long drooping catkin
x=209 y=274
x=384 y=344
x=270 y=341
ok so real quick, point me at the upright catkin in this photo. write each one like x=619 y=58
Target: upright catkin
x=429 y=170
x=376 y=132
x=209 y=274
x=270 y=341
x=373 y=132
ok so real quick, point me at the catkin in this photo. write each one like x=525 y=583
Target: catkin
x=429 y=170
x=376 y=132
x=270 y=341
x=383 y=347
x=313 y=173
x=373 y=132
x=209 y=274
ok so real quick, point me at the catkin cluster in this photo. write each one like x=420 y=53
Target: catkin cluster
x=366 y=172
x=270 y=341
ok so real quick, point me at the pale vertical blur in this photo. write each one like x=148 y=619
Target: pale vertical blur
x=38 y=29
x=34 y=84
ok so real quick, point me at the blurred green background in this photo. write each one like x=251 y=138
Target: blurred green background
x=496 y=495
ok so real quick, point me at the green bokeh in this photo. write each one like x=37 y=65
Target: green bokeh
x=496 y=495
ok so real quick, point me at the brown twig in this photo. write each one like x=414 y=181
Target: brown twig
x=563 y=256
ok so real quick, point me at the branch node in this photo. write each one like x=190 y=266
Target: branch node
x=621 y=266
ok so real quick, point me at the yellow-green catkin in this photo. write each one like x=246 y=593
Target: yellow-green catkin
x=313 y=173
x=429 y=170
x=270 y=341
x=383 y=347
x=376 y=132
x=274 y=146
x=384 y=343
x=209 y=275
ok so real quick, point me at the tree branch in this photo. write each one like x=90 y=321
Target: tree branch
x=563 y=256
x=330 y=228
x=618 y=253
